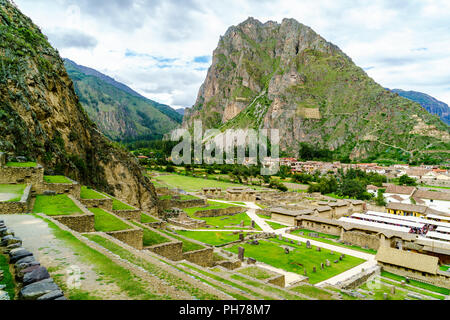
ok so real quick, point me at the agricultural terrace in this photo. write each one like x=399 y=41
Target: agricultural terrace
x=57 y=179
x=298 y=259
x=106 y=222
x=11 y=192
x=88 y=193
x=55 y=205
x=214 y=238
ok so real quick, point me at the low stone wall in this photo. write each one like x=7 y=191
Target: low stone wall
x=264 y=212
x=81 y=223
x=129 y=214
x=359 y=278
x=436 y=280
x=33 y=176
x=2 y=159
x=170 y=250
x=361 y=239
x=105 y=204
x=188 y=224
x=230 y=264
x=21 y=206
x=219 y=212
x=182 y=204
x=278 y=280
x=162 y=191
x=132 y=237
x=61 y=188
x=156 y=225
x=202 y=257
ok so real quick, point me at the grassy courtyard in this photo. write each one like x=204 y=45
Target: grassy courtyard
x=11 y=192
x=299 y=259
x=55 y=205
x=56 y=179
x=194 y=184
x=106 y=222
x=213 y=238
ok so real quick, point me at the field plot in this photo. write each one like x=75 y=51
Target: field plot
x=213 y=238
x=106 y=222
x=88 y=193
x=56 y=179
x=11 y=192
x=55 y=205
x=298 y=259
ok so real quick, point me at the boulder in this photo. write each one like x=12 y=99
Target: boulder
x=10 y=239
x=61 y=298
x=4 y=296
x=49 y=193
x=7 y=232
x=38 y=289
x=24 y=263
x=36 y=275
x=52 y=295
x=17 y=255
x=21 y=159
x=13 y=246
x=28 y=269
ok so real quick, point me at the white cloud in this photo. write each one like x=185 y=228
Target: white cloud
x=401 y=44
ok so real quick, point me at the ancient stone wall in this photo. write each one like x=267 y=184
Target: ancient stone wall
x=170 y=250
x=437 y=280
x=105 y=204
x=264 y=212
x=219 y=212
x=319 y=227
x=229 y=264
x=21 y=206
x=81 y=223
x=278 y=280
x=361 y=239
x=61 y=188
x=182 y=204
x=134 y=214
x=33 y=176
x=358 y=279
x=2 y=159
x=132 y=237
x=202 y=257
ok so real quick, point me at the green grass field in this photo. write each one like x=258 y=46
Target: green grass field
x=188 y=246
x=88 y=193
x=275 y=225
x=119 y=205
x=416 y=283
x=14 y=190
x=56 y=179
x=56 y=205
x=145 y=218
x=313 y=292
x=21 y=164
x=195 y=184
x=151 y=238
x=106 y=222
x=210 y=237
x=299 y=259
x=256 y=272
x=183 y=197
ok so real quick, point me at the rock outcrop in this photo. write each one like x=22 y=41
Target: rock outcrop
x=286 y=76
x=42 y=119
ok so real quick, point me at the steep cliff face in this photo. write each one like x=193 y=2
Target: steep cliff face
x=286 y=76
x=41 y=118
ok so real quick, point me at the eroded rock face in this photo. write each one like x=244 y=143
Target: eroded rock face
x=286 y=76
x=42 y=119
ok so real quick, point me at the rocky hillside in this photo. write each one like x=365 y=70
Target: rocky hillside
x=288 y=77
x=432 y=105
x=42 y=119
x=120 y=113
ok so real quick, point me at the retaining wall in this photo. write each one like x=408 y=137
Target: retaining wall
x=81 y=223
x=219 y=212
x=230 y=264
x=202 y=257
x=134 y=214
x=278 y=280
x=132 y=237
x=361 y=239
x=182 y=204
x=61 y=188
x=105 y=204
x=33 y=176
x=170 y=250
x=21 y=206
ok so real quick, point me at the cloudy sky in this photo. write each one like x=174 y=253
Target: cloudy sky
x=162 y=48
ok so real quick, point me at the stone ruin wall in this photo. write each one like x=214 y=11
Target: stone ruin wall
x=219 y=212
x=105 y=204
x=361 y=239
x=131 y=237
x=22 y=206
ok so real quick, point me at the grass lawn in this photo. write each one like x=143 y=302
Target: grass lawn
x=21 y=164
x=275 y=225
x=313 y=292
x=119 y=205
x=210 y=237
x=298 y=260
x=56 y=179
x=101 y=264
x=145 y=218
x=151 y=238
x=437 y=187
x=188 y=246
x=15 y=191
x=195 y=184
x=237 y=202
x=416 y=283
x=256 y=272
x=153 y=269
x=57 y=205
x=106 y=222
x=329 y=238
x=380 y=288
x=7 y=280
x=88 y=193
x=183 y=197
x=445 y=268
x=426 y=293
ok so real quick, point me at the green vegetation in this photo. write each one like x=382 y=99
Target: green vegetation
x=145 y=218
x=416 y=283
x=151 y=268
x=299 y=259
x=106 y=222
x=7 y=280
x=56 y=205
x=101 y=264
x=56 y=179
x=313 y=292
x=88 y=193
x=183 y=197
x=213 y=238
x=256 y=272
x=21 y=164
x=16 y=191
x=188 y=246
x=410 y=288
x=275 y=225
x=151 y=238
x=119 y=205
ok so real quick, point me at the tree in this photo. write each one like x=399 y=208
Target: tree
x=407 y=180
x=379 y=200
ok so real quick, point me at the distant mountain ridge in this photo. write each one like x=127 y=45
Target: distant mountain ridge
x=432 y=105
x=120 y=113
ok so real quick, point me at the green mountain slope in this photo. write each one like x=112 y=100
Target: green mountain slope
x=120 y=113
x=432 y=105
x=285 y=76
